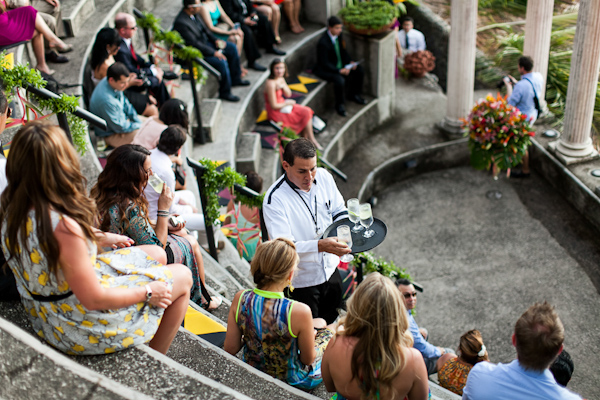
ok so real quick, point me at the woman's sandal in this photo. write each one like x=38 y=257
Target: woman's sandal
x=215 y=302
x=277 y=40
x=62 y=49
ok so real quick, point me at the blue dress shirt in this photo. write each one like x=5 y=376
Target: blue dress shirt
x=522 y=95
x=427 y=349
x=113 y=107
x=511 y=381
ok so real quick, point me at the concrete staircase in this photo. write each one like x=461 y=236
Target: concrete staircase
x=193 y=368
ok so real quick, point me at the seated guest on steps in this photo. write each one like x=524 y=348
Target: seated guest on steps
x=173 y=112
x=294 y=116
x=335 y=65
x=431 y=354
x=78 y=301
x=184 y=201
x=123 y=209
x=271 y=9
x=211 y=13
x=372 y=356
x=109 y=103
x=25 y=23
x=105 y=48
x=455 y=369
x=277 y=334
x=245 y=220
x=223 y=56
x=125 y=25
x=254 y=24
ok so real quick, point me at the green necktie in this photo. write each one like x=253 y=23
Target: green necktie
x=337 y=53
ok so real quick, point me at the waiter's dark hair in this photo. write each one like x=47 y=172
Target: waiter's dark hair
x=301 y=147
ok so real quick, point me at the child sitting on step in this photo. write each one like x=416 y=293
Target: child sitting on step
x=278 y=335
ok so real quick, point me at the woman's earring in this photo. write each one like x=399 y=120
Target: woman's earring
x=290 y=286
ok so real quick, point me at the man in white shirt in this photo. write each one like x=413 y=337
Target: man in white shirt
x=300 y=206
x=408 y=39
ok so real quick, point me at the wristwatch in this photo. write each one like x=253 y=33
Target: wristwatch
x=148 y=293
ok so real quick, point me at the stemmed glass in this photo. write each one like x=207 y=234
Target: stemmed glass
x=344 y=236
x=353 y=214
x=366 y=219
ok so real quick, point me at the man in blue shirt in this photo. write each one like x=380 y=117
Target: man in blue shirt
x=109 y=103
x=538 y=338
x=522 y=97
x=431 y=354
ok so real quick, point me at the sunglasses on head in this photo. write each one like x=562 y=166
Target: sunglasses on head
x=409 y=295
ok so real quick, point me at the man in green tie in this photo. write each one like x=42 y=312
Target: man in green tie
x=334 y=65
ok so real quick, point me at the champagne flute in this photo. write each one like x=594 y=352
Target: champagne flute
x=366 y=219
x=156 y=183
x=344 y=236
x=353 y=214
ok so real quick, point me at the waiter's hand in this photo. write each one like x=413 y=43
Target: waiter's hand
x=331 y=245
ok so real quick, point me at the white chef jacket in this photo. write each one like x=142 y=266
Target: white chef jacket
x=303 y=217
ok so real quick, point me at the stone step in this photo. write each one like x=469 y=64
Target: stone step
x=152 y=373
x=249 y=152
x=211 y=115
x=25 y=363
x=223 y=311
x=269 y=168
x=219 y=274
x=214 y=363
x=75 y=13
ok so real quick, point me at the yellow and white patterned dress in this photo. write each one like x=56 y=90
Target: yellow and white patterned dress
x=69 y=326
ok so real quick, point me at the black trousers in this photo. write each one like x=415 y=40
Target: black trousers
x=344 y=86
x=250 y=45
x=323 y=300
x=263 y=33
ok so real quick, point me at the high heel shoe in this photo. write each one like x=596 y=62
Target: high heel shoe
x=65 y=48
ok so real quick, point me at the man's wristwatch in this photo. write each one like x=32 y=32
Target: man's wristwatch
x=148 y=293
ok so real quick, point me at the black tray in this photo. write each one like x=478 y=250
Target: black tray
x=359 y=242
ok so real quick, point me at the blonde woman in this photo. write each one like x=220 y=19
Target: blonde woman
x=278 y=335
x=371 y=356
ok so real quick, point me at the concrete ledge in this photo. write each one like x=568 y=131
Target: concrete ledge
x=249 y=152
x=76 y=15
x=215 y=363
x=32 y=370
x=426 y=159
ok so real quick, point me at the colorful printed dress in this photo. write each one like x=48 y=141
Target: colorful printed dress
x=453 y=375
x=138 y=229
x=269 y=344
x=69 y=326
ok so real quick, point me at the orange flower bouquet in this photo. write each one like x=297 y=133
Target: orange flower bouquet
x=499 y=134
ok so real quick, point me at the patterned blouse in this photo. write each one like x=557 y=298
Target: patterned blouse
x=453 y=375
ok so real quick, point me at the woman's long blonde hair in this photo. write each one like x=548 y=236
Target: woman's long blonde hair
x=377 y=317
x=43 y=174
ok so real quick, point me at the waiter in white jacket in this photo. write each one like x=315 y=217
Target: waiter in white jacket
x=300 y=206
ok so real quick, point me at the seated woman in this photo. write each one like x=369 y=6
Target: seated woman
x=372 y=356
x=211 y=13
x=123 y=209
x=294 y=116
x=245 y=221
x=271 y=9
x=24 y=23
x=105 y=48
x=455 y=370
x=277 y=334
x=77 y=301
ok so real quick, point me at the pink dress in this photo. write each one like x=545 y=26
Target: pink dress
x=296 y=120
x=17 y=25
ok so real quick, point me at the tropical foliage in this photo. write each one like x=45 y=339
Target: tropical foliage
x=379 y=264
x=369 y=14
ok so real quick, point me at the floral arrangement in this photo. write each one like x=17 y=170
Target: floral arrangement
x=499 y=134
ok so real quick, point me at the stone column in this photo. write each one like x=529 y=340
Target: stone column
x=538 y=28
x=461 y=65
x=576 y=142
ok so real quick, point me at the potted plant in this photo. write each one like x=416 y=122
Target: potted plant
x=499 y=135
x=369 y=17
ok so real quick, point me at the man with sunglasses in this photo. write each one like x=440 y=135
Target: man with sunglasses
x=431 y=354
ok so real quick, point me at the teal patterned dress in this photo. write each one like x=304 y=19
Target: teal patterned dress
x=269 y=344
x=66 y=324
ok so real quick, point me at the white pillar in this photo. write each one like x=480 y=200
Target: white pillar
x=461 y=64
x=576 y=142
x=538 y=29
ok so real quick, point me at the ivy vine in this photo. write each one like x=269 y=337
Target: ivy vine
x=379 y=264
x=21 y=76
x=215 y=181
x=170 y=38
